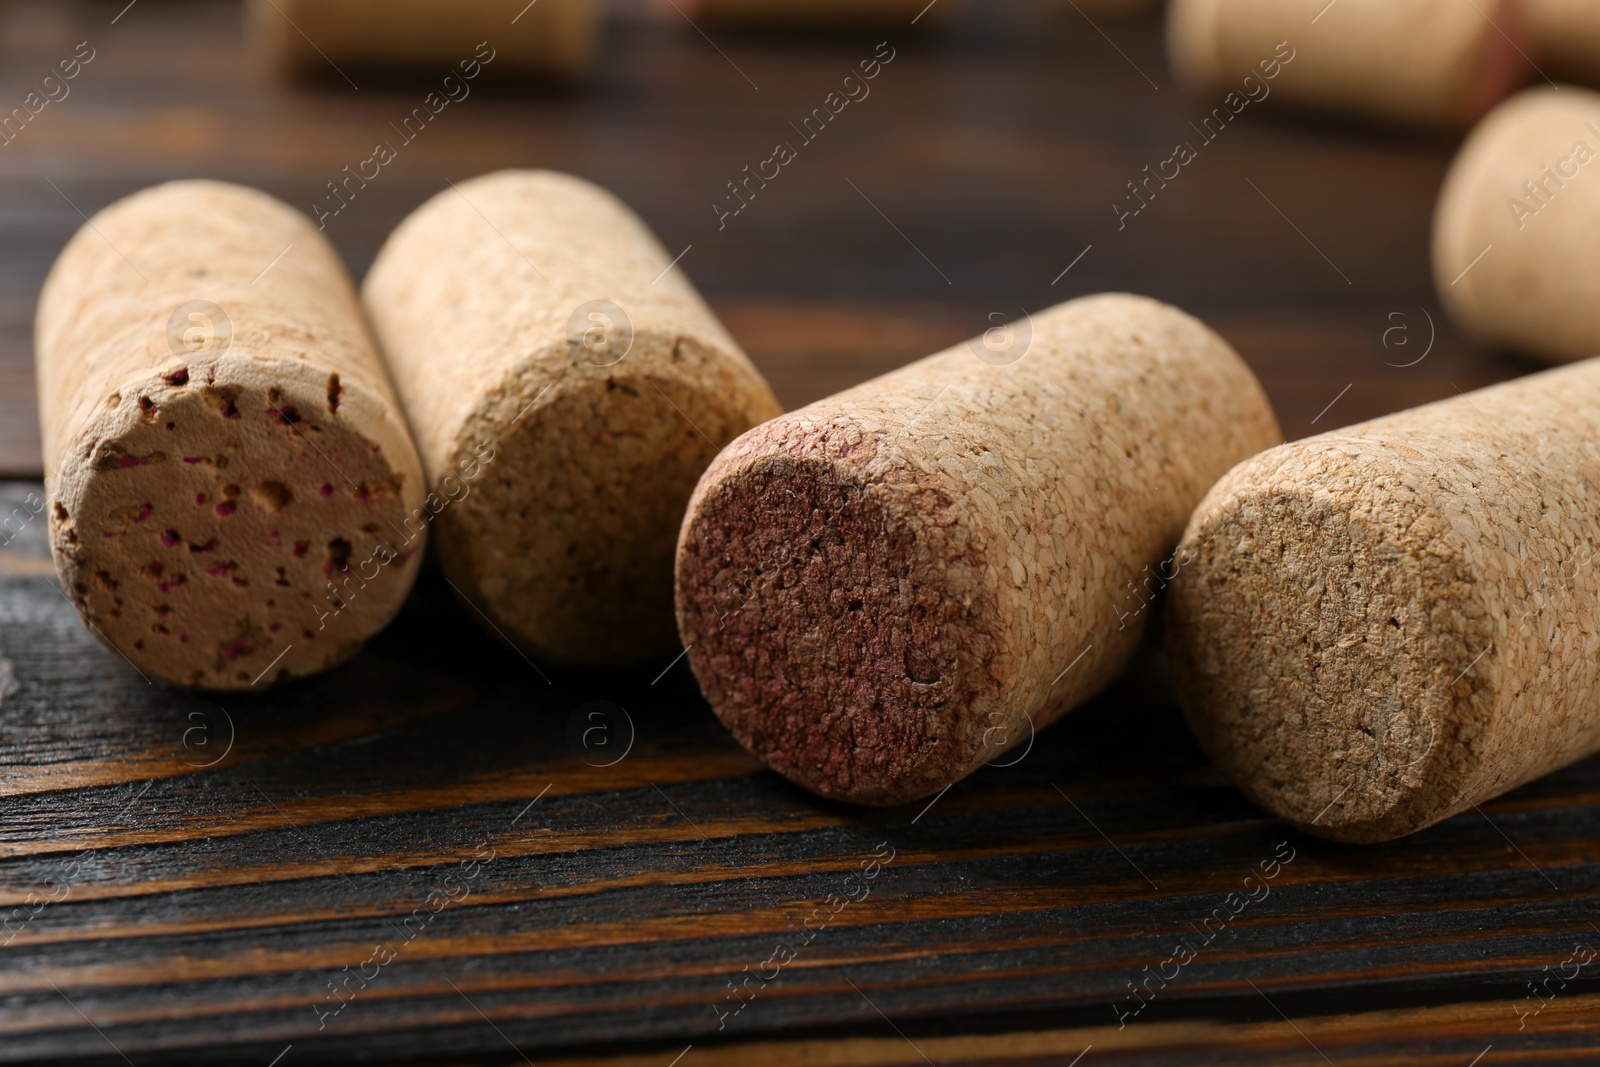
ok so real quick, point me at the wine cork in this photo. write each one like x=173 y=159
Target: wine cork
x=533 y=314
x=1437 y=63
x=551 y=38
x=1514 y=230
x=883 y=591
x=1566 y=37
x=812 y=13
x=224 y=457
x=1374 y=629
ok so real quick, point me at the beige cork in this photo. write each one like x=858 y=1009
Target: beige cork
x=1435 y=63
x=226 y=462
x=1377 y=628
x=1515 y=230
x=551 y=38
x=885 y=590
x=532 y=320
x=1566 y=37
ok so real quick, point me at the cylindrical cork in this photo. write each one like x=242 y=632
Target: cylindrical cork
x=812 y=13
x=227 y=466
x=1439 y=63
x=1566 y=37
x=886 y=589
x=1379 y=627
x=550 y=38
x=1515 y=231
x=533 y=314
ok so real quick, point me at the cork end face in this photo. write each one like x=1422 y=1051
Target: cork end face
x=220 y=526
x=566 y=540
x=820 y=634
x=1325 y=657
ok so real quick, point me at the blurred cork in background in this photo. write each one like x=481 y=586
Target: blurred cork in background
x=1517 y=225
x=1424 y=63
x=556 y=39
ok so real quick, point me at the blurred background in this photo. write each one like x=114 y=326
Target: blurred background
x=982 y=176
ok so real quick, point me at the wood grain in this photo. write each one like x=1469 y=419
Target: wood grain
x=207 y=894
x=209 y=910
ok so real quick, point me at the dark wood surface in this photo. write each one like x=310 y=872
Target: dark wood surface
x=183 y=879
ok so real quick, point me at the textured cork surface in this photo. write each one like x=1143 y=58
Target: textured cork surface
x=224 y=454
x=1439 y=63
x=868 y=13
x=1516 y=226
x=555 y=38
x=1565 y=35
x=531 y=318
x=884 y=590
x=1376 y=628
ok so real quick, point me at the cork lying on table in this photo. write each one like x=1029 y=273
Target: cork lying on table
x=552 y=38
x=532 y=321
x=1517 y=224
x=1077 y=11
x=225 y=461
x=1379 y=627
x=1437 y=63
x=886 y=589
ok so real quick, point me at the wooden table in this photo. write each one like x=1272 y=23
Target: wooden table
x=438 y=853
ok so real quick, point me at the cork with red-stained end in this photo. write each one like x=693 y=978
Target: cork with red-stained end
x=567 y=387
x=1428 y=63
x=227 y=466
x=1516 y=226
x=884 y=590
x=1379 y=627
x=551 y=38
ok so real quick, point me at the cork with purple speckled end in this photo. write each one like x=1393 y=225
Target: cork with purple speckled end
x=886 y=589
x=225 y=460
x=539 y=333
x=1379 y=627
